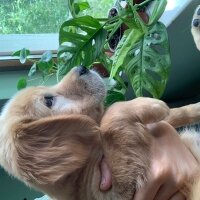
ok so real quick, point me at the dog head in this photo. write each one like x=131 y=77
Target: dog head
x=49 y=132
x=81 y=91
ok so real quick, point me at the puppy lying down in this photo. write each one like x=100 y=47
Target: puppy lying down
x=51 y=138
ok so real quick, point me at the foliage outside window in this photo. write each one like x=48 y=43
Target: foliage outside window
x=41 y=16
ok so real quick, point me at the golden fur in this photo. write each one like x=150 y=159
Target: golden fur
x=58 y=149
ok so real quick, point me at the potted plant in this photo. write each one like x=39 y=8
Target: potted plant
x=141 y=53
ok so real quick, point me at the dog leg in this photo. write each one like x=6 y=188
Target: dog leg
x=184 y=115
x=142 y=109
x=196 y=27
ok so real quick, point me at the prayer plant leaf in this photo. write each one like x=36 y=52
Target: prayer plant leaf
x=82 y=45
x=148 y=63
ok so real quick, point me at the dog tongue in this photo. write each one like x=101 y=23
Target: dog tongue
x=106 y=179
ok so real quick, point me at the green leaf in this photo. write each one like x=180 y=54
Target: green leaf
x=71 y=8
x=45 y=67
x=16 y=53
x=46 y=63
x=112 y=97
x=22 y=54
x=82 y=46
x=158 y=9
x=22 y=83
x=46 y=56
x=78 y=7
x=129 y=38
x=148 y=63
x=32 y=70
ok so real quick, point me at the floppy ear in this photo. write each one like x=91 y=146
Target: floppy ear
x=54 y=147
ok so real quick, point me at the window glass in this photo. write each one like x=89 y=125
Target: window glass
x=41 y=16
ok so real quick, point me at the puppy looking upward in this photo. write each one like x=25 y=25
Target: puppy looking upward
x=48 y=133
x=51 y=140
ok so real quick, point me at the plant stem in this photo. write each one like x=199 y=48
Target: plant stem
x=137 y=17
x=117 y=25
x=113 y=19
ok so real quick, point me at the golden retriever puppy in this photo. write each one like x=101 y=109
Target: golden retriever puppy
x=49 y=133
x=196 y=27
x=51 y=140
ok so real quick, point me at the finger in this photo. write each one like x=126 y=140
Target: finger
x=178 y=196
x=160 y=129
x=149 y=190
x=106 y=179
x=166 y=191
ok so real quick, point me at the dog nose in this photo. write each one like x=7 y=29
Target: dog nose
x=196 y=22
x=83 y=70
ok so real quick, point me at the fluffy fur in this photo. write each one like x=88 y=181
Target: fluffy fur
x=54 y=138
x=57 y=147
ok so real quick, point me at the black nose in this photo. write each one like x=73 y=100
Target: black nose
x=196 y=22
x=83 y=70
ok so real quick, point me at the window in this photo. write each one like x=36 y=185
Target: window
x=34 y=24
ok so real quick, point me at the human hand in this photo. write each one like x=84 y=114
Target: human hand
x=172 y=165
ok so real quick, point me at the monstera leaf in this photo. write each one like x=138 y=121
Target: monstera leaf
x=158 y=9
x=127 y=42
x=148 y=62
x=81 y=41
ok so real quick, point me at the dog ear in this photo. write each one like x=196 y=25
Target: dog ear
x=55 y=147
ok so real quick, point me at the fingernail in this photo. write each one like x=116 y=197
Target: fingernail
x=195 y=22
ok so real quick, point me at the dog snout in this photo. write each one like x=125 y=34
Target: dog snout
x=82 y=70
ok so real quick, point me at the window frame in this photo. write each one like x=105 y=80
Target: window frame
x=39 y=43
x=36 y=43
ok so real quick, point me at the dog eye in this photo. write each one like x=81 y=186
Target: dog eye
x=48 y=100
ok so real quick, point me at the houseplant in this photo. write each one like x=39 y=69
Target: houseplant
x=141 y=55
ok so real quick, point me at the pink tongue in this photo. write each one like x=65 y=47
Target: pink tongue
x=106 y=179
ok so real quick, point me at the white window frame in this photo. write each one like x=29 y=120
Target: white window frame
x=36 y=43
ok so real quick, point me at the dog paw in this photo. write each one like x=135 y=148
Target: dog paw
x=152 y=110
x=196 y=27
